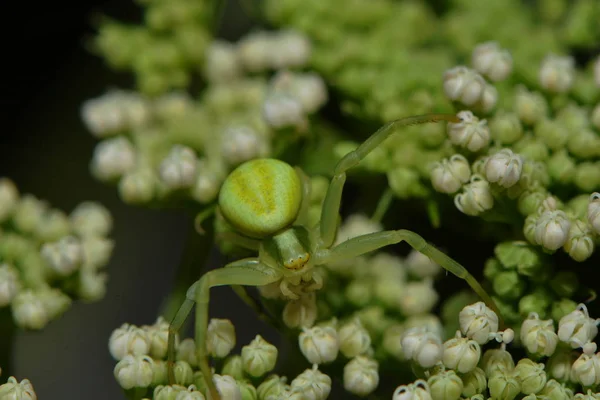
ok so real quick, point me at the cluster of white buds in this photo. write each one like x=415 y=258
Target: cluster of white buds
x=470 y=88
x=261 y=51
x=577 y=328
x=557 y=73
x=476 y=197
x=470 y=133
x=538 y=336
x=13 y=389
x=492 y=61
x=504 y=168
x=115 y=112
x=361 y=376
x=178 y=169
x=450 y=174
x=422 y=346
x=593 y=212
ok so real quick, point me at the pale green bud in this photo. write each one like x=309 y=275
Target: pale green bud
x=183 y=373
x=113 y=158
x=509 y=285
x=445 y=385
x=29 y=213
x=419 y=390
x=503 y=384
x=96 y=251
x=531 y=107
x=392 y=341
x=259 y=357
x=450 y=174
x=29 y=310
x=557 y=73
x=10 y=283
x=53 y=225
x=475 y=198
x=471 y=133
x=463 y=84
x=356 y=225
x=505 y=127
x=134 y=371
x=227 y=387
x=586 y=369
x=159 y=372
x=207 y=184
x=319 y=345
x=55 y=301
x=272 y=386
x=461 y=354
x=474 y=382
x=430 y=322
x=530 y=200
x=138 y=186
x=421 y=265
x=359 y=293
x=233 y=366
x=555 y=391
x=418 y=297
x=531 y=375
x=9 y=197
x=588 y=396
x=387 y=291
x=423 y=347
x=361 y=376
x=587 y=176
x=496 y=359
x=241 y=143
x=91 y=219
x=504 y=168
x=553 y=133
x=584 y=143
x=561 y=308
x=580 y=242
x=519 y=255
x=64 y=256
x=560 y=364
x=220 y=337
x=158 y=334
x=538 y=336
x=167 y=392
x=221 y=63
x=540 y=301
x=552 y=229
x=283 y=110
x=561 y=167
x=178 y=169
x=593 y=212
x=353 y=339
x=92 y=285
x=311 y=90
x=186 y=351
x=405 y=182
x=477 y=321
x=314 y=384
x=129 y=339
x=492 y=61
x=492 y=268
x=15 y=390
x=247 y=390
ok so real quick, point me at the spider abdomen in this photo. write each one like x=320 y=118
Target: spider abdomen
x=261 y=197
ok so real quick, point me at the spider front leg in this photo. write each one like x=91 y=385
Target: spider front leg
x=366 y=243
x=331 y=204
x=247 y=272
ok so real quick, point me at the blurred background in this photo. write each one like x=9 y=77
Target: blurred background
x=46 y=150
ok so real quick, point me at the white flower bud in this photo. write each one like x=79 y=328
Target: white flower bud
x=531 y=107
x=220 y=337
x=302 y=312
x=29 y=310
x=504 y=167
x=138 y=186
x=580 y=242
x=418 y=297
x=15 y=390
x=313 y=384
x=221 y=64
x=450 y=174
x=53 y=225
x=560 y=365
x=289 y=49
x=227 y=388
x=430 y=322
x=474 y=382
x=178 y=169
x=557 y=73
x=113 y=158
x=9 y=196
x=464 y=85
x=29 y=213
x=128 y=340
x=471 y=133
x=101 y=116
x=134 y=371
x=475 y=198
x=207 y=183
x=169 y=392
x=577 y=328
x=593 y=212
x=461 y=354
x=419 y=390
x=488 y=99
x=552 y=229
x=158 y=337
x=92 y=285
x=422 y=346
x=183 y=373
x=477 y=321
x=259 y=357
x=310 y=90
x=353 y=339
x=492 y=61
x=319 y=344
x=361 y=376
x=91 y=219
x=531 y=376
x=241 y=143
x=186 y=351
x=281 y=110
x=190 y=394
x=96 y=251
x=64 y=256
x=586 y=369
x=538 y=335
x=10 y=284
x=254 y=51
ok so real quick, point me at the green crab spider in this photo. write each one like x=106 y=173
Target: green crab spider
x=262 y=200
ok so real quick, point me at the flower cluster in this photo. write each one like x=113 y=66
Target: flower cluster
x=49 y=258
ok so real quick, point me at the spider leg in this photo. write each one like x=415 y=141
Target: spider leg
x=366 y=243
x=331 y=205
x=248 y=272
